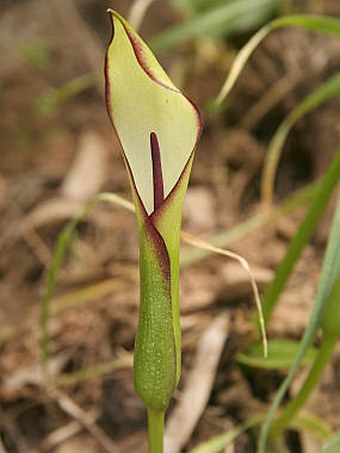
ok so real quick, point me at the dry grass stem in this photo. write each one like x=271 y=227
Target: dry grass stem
x=81 y=33
x=60 y=435
x=195 y=396
x=189 y=239
x=86 y=419
x=268 y=101
x=137 y=12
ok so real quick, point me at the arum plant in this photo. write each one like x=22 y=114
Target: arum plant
x=158 y=128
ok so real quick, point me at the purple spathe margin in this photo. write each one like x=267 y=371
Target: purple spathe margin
x=153 y=234
x=137 y=47
x=106 y=72
x=149 y=220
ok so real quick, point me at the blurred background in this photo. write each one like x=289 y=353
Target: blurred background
x=58 y=151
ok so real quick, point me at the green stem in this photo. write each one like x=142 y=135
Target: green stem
x=309 y=385
x=156 y=430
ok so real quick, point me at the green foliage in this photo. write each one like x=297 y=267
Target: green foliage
x=331 y=319
x=312 y=424
x=281 y=354
x=63 y=245
x=329 y=276
x=49 y=101
x=217 y=20
x=301 y=238
x=296 y=404
x=199 y=6
x=320 y=95
x=37 y=53
x=218 y=443
x=327 y=90
x=332 y=446
x=322 y=24
x=304 y=422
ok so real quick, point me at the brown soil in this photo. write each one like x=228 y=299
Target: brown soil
x=49 y=151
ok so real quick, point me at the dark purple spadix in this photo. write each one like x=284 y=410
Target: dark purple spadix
x=158 y=187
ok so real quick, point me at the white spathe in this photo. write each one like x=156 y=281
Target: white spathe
x=142 y=99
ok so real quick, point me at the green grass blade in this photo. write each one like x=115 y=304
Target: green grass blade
x=322 y=24
x=305 y=422
x=63 y=244
x=331 y=317
x=312 y=424
x=329 y=274
x=281 y=354
x=302 y=237
x=198 y=6
x=51 y=98
x=333 y=446
x=327 y=90
x=314 y=375
x=218 y=443
x=223 y=20
x=331 y=267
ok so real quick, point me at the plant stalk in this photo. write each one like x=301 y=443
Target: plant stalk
x=321 y=360
x=156 y=430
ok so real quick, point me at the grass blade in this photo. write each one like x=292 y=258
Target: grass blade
x=333 y=446
x=302 y=237
x=281 y=354
x=223 y=20
x=329 y=274
x=63 y=243
x=322 y=24
x=198 y=6
x=305 y=422
x=312 y=424
x=218 y=443
x=327 y=90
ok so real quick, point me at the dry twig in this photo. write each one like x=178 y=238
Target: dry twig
x=244 y=263
x=137 y=12
x=86 y=420
x=198 y=387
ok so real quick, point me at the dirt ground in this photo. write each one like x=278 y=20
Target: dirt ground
x=58 y=150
